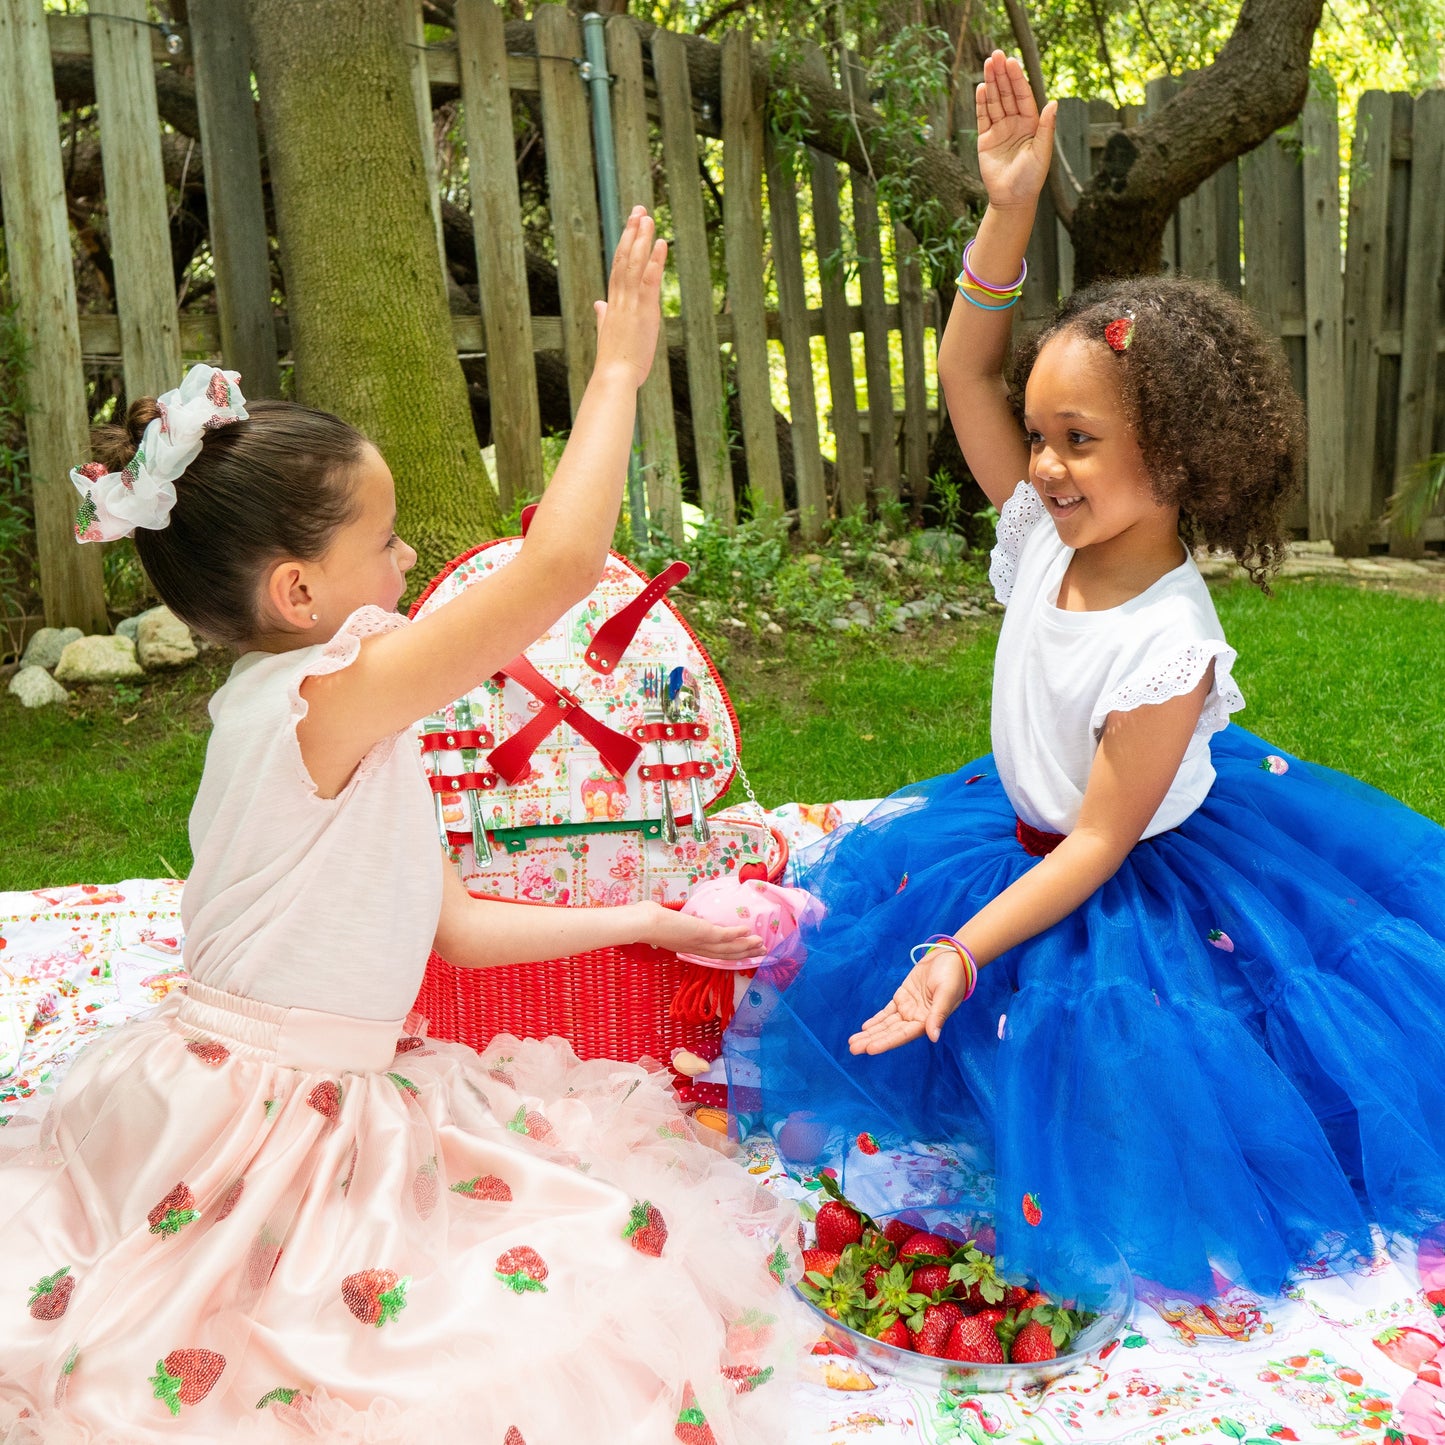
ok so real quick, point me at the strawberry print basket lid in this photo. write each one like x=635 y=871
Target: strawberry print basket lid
x=572 y=732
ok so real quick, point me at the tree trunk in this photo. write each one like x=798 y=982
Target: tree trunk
x=367 y=302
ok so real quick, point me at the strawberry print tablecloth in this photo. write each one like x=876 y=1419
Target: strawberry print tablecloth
x=1350 y=1360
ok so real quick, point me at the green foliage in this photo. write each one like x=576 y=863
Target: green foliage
x=17 y=517
x=1420 y=489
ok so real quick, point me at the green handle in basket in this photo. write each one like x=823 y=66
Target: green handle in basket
x=515 y=840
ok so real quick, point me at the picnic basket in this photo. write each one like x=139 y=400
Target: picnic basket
x=559 y=761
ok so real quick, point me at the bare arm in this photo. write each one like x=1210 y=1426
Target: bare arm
x=1137 y=760
x=403 y=675
x=1015 y=145
x=487 y=933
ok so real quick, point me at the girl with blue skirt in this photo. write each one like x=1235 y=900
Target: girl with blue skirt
x=1176 y=989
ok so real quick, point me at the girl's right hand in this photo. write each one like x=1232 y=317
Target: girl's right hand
x=628 y=321
x=682 y=933
x=1015 y=140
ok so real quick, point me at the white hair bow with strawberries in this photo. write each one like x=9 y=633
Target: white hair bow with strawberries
x=142 y=493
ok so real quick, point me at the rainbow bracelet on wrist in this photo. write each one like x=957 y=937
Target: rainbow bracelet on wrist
x=966 y=275
x=947 y=940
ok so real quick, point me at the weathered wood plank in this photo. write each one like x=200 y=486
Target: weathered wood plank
x=742 y=116
x=1157 y=94
x=877 y=363
x=783 y=180
x=1365 y=260
x=694 y=275
x=501 y=255
x=1073 y=140
x=1324 y=312
x=660 y=463
x=413 y=37
x=1419 y=369
x=915 y=378
x=572 y=190
x=828 y=239
x=135 y=193
x=37 y=245
x=231 y=151
x=69 y=36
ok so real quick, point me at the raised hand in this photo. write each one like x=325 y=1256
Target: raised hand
x=1015 y=139
x=934 y=987
x=628 y=321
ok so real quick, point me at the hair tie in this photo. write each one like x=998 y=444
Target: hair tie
x=142 y=493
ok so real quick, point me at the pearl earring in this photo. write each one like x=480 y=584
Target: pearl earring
x=315 y=618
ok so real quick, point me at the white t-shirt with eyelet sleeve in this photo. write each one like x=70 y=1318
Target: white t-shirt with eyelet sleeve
x=1058 y=675
x=298 y=900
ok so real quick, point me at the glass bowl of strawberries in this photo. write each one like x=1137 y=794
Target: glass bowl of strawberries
x=920 y=1296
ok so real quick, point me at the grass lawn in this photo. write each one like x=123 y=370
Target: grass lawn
x=1351 y=677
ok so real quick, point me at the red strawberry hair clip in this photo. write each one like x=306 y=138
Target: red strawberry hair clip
x=1120 y=334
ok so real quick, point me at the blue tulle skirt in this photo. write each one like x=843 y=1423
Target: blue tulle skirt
x=1230 y=1061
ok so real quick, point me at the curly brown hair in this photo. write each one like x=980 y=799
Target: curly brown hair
x=1209 y=395
x=276 y=485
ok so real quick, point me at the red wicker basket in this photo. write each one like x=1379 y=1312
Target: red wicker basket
x=613 y=1003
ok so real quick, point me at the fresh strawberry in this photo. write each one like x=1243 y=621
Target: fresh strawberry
x=1015 y=1296
x=839 y=1294
x=209 y=1051
x=820 y=1261
x=174 y=1212
x=896 y=1333
x=932 y=1279
x=938 y=1323
x=186 y=1377
x=922 y=1244
x=522 y=1270
x=898 y=1232
x=993 y=1315
x=871 y=1277
x=645 y=1230
x=692 y=1427
x=51 y=1296
x=325 y=1098
x=837 y=1226
x=485 y=1186
x=375 y=1296
x=896 y=1295
x=975 y=1278
x=1033 y=1343
x=231 y=1198
x=974 y=1339
x=425 y=1191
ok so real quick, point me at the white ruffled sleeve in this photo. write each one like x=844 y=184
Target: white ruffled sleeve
x=1020 y=515
x=1170 y=671
x=341 y=651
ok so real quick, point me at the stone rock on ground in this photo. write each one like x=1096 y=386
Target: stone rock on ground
x=45 y=646
x=163 y=640
x=129 y=626
x=98 y=659
x=35 y=687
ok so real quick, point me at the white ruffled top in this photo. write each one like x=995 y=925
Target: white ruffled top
x=1058 y=675
x=298 y=900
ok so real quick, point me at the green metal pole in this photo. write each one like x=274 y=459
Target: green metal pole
x=599 y=82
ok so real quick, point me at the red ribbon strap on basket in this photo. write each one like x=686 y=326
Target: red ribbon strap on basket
x=513 y=758
x=614 y=636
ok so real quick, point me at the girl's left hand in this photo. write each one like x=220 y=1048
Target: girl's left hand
x=682 y=933
x=934 y=987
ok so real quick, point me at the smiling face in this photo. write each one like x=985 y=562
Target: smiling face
x=366 y=561
x=1084 y=456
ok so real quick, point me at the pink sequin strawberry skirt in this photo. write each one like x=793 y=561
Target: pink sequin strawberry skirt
x=245 y=1220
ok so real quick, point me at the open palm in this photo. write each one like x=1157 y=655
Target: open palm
x=1015 y=139
x=932 y=990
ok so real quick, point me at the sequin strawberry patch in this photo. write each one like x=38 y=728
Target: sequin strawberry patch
x=867 y=1144
x=67 y=1369
x=325 y=1098
x=281 y=1395
x=485 y=1186
x=262 y=1258
x=406 y=1086
x=407 y=1042
x=1032 y=1212
x=50 y=1297
x=425 y=1191
x=375 y=1296
x=778 y=1264
x=186 y=1377
x=533 y=1125
x=174 y=1212
x=522 y=1270
x=231 y=1198
x=692 y=1427
x=747 y=1378
x=513 y=1436
x=208 y=1051
x=645 y=1230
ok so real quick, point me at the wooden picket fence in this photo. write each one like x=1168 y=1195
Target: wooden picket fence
x=1363 y=337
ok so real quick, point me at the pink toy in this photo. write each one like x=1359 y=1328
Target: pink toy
x=770 y=910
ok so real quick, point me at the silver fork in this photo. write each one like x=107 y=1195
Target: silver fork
x=652 y=695
x=481 y=847
x=681 y=708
